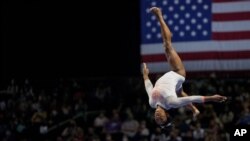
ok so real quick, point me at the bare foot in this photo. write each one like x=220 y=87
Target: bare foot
x=219 y=98
x=156 y=11
x=196 y=113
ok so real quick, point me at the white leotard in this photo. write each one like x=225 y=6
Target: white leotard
x=164 y=93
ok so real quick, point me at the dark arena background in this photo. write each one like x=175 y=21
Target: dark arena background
x=71 y=71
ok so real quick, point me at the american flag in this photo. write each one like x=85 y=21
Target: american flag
x=209 y=35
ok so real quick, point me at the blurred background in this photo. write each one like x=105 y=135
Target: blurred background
x=71 y=71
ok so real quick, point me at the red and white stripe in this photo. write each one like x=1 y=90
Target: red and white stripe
x=228 y=50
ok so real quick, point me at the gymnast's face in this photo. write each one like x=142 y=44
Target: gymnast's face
x=160 y=116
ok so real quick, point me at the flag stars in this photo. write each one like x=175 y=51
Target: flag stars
x=153 y=18
x=182 y=21
x=205 y=20
x=153 y=3
x=194 y=7
x=170 y=22
x=193 y=21
x=193 y=33
x=200 y=1
x=188 y=1
x=189 y=20
x=158 y=35
x=181 y=34
x=158 y=24
x=164 y=2
x=204 y=33
x=164 y=16
x=176 y=16
x=199 y=26
x=171 y=8
x=176 y=2
x=153 y=29
x=182 y=7
x=187 y=15
x=176 y=28
x=148 y=24
x=205 y=7
x=199 y=14
x=148 y=36
x=187 y=27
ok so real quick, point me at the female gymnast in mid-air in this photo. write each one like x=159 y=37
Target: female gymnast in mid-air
x=163 y=95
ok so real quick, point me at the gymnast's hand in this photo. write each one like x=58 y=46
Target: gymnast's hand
x=145 y=71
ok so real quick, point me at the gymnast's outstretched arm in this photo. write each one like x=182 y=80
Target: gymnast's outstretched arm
x=177 y=102
x=148 y=84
